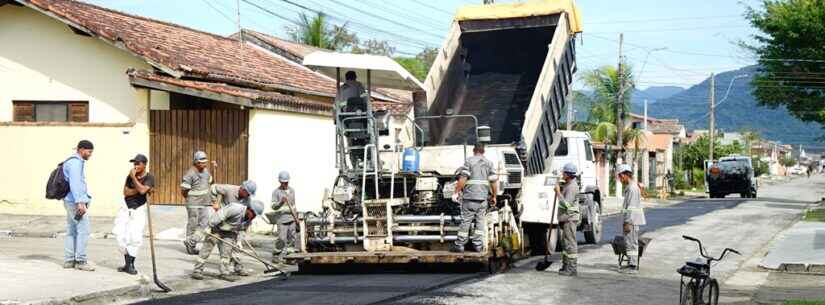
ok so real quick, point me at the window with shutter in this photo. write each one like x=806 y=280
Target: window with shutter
x=23 y=111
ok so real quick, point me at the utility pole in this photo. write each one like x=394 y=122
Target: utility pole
x=645 y=122
x=712 y=113
x=570 y=114
x=619 y=104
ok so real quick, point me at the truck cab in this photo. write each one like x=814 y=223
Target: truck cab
x=575 y=147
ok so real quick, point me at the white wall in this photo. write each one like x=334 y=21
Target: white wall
x=42 y=59
x=302 y=144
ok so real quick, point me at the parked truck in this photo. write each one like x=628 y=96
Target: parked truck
x=731 y=175
x=500 y=79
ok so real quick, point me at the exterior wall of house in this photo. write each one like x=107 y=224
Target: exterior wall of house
x=42 y=59
x=302 y=144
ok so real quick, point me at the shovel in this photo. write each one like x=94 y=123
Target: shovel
x=160 y=284
x=543 y=265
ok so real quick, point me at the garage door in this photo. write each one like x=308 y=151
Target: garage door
x=177 y=134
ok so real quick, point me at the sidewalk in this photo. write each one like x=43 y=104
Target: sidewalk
x=31 y=257
x=798 y=249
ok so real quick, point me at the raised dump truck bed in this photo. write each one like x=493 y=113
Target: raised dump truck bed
x=506 y=66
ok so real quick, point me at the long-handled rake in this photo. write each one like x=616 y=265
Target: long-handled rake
x=269 y=266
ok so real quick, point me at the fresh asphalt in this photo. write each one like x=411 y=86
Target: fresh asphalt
x=386 y=288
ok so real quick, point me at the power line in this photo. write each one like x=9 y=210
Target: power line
x=425 y=4
x=219 y=11
x=675 y=29
x=386 y=19
x=660 y=19
x=410 y=15
x=406 y=40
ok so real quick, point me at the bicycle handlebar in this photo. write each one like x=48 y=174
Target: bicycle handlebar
x=702 y=250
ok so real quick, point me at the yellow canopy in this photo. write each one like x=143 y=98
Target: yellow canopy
x=522 y=9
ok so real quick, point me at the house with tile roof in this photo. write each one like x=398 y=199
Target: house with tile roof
x=130 y=84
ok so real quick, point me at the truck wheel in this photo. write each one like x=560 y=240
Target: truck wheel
x=594 y=236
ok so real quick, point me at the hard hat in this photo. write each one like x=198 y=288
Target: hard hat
x=623 y=168
x=200 y=156
x=257 y=206
x=283 y=176
x=249 y=186
x=570 y=168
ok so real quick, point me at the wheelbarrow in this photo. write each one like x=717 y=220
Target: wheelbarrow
x=619 y=245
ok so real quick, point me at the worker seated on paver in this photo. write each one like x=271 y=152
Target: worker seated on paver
x=225 y=223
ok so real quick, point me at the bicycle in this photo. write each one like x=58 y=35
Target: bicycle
x=701 y=288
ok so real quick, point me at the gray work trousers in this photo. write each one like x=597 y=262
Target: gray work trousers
x=285 y=244
x=197 y=218
x=570 y=247
x=224 y=250
x=632 y=240
x=473 y=212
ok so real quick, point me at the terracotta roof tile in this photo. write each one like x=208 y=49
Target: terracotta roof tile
x=193 y=53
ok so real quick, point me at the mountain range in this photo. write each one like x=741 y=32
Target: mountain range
x=739 y=112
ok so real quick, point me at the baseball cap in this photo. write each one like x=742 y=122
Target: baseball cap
x=249 y=186
x=200 y=156
x=140 y=158
x=624 y=168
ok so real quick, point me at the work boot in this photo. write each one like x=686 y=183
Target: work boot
x=125 y=264
x=130 y=267
x=456 y=249
x=68 y=265
x=629 y=270
x=241 y=272
x=570 y=269
x=84 y=266
x=227 y=277
x=563 y=264
x=197 y=275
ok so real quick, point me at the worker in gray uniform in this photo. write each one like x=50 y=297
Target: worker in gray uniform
x=569 y=216
x=225 y=222
x=283 y=204
x=476 y=182
x=633 y=215
x=194 y=187
x=235 y=193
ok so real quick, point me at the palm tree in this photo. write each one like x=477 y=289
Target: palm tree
x=750 y=138
x=635 y=136
x=605 y=82
x=318 y=32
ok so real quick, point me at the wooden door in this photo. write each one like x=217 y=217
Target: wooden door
x=175 y=135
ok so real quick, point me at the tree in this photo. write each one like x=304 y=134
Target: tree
x=605 y=84
x=787 y=161
x=318 y=32
x=750 y=137
x=374 y=47
x=791 y=56
x=419 y=65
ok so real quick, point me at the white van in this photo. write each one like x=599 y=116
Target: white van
x=575 y=147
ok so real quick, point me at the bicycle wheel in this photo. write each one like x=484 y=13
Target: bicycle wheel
x=711 y=297
x=687 y=293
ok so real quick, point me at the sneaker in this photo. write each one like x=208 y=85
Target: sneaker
x=456 y=249
x=84 y=266
x=197 y=276
x=68 y=265
x=568 y=272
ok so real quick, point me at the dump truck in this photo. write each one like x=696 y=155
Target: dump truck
x=500 y=79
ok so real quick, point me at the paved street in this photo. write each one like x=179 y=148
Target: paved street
x=732 y=222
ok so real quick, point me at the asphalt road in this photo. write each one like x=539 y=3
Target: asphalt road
x=383 y=288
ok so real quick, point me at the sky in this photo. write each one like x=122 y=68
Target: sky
x=699 y=36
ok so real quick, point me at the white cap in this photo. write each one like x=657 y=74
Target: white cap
x=623 y=168
x=283 y=176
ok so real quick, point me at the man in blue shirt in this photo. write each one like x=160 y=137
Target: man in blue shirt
x=76 y=203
